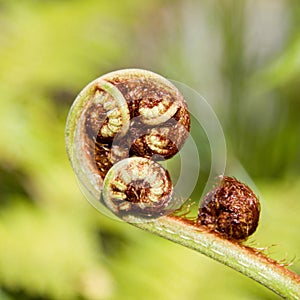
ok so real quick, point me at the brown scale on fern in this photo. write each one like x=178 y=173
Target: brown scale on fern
x=231 y=209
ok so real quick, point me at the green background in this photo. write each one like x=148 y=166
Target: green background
x=242 y=56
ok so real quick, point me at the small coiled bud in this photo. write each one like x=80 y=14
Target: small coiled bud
x=231 y=209
x=137 y=186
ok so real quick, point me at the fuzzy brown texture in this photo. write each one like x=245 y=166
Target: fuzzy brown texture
x=170 y=135
x=103 y=158
x=231 y=209
x=158 y=142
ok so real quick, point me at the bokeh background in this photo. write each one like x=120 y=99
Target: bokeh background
x=242 y=56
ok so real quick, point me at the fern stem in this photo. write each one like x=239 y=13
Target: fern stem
x=241 y=258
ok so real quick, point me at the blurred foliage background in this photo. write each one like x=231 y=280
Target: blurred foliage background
x=242 y=56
